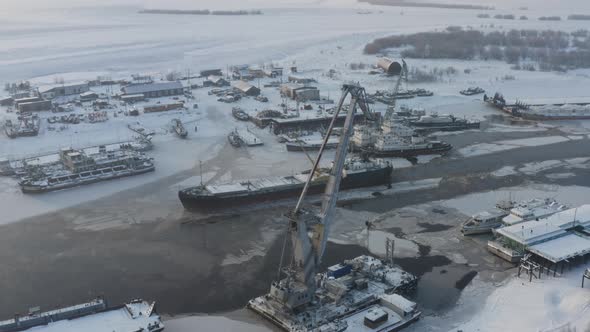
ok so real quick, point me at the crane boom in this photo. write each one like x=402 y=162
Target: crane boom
x=309 y=232
x=402 y=75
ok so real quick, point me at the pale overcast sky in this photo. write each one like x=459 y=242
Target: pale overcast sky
x=573 y=5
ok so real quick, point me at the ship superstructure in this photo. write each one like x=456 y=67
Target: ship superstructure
x=532 y=209
x=393 y=137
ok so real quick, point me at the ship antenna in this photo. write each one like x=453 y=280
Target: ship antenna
x=201 y=171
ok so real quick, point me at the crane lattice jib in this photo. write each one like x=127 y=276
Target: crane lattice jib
x=403 y=75
x=309 y=235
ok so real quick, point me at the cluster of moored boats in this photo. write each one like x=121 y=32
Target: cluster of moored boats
x=508 y=213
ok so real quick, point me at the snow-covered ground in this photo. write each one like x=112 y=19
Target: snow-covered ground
x=548 y=304
x=116 y=42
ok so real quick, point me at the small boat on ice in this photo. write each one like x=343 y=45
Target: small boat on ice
x=179 y=128
x=239 y=114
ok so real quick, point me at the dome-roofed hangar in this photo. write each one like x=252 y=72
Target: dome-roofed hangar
x=389 y=66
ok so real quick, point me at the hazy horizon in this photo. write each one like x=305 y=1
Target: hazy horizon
x=574 y=5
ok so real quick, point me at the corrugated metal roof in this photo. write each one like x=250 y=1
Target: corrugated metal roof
x=244 y=86
x=152 y=87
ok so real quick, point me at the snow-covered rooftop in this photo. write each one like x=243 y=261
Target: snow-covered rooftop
x=531 y=232
x=562 y=248
x=556 y=225
x=131 y=317
x=151 y=87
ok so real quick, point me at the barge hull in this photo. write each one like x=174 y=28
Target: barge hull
x=38 y=189
x=213 y=202
x=409 y=152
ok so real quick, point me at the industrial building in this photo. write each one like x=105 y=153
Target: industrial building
x=300 y=80
x=389 y=66
x=51 y=92
x=216 y=81
x=300 y=92
x=6 y=101
x=246 y=88
x=35 y=106
x=274 y=72
x=155 y=90
x=241 y=72
x=133 y=98
x=88 y=96
x=26 y=100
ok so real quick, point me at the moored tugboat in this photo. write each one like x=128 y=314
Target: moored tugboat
x=391 y=145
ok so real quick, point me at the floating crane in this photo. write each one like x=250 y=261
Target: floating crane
x=305 y=300
x=308 y=231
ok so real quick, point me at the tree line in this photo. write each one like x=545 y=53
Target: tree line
x=548 y=49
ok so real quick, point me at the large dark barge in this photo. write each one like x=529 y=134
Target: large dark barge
x=358 y=174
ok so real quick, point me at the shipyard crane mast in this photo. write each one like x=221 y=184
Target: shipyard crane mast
x=309 y=231
x=403 y=75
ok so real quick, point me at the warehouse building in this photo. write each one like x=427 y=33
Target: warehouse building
x=88 y=96
x=155 y=90
x=246 y=88
x=130 y=99
x=26 y=100
x=300 y=80
x=216 y=81
x=389 y=66
x=300 y=92
x=51 y=92
x=35 y=106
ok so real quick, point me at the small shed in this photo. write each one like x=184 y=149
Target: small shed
x=389 y=66
x=246 y=88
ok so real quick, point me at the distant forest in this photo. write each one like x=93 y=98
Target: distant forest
x=545 y=50
x=200 y=12
x=404 y=3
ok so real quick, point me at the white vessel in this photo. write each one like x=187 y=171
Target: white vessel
x=483 y=222
x=532 y=209
x=510 y=213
